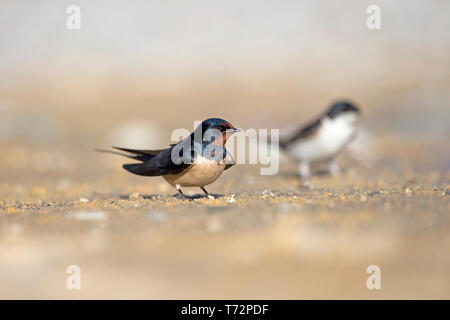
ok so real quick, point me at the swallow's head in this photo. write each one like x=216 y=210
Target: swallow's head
x=213 y=128
x=217 y=124
x=342 y=107
x=344 y=112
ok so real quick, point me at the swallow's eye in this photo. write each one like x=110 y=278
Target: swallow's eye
x=213 y=138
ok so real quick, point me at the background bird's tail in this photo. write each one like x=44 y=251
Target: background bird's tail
x=283 y=143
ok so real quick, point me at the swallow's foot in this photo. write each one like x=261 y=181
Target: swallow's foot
x=180 y=196
x=304 y=170
x=206 y=192
x=333 y=168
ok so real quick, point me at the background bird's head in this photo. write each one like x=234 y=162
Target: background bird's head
x=341 y=107
x=344 y=112
x=214 y=130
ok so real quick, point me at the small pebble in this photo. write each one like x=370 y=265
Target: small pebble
x=11 y=210
x=135 y=196
x=231 y=200
x=83 y=200
x=210 y=197
x=268 y=192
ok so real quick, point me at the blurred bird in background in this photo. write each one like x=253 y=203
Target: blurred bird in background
x=324 y=138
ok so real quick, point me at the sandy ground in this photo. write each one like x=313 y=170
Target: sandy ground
x=265 y=237
x=132 y=74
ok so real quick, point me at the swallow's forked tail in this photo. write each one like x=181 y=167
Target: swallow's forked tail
x=140 y=155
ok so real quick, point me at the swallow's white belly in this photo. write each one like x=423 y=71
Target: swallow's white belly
x=202 y=173
x=326 y=143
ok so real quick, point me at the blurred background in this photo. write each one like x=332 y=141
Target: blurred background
x=137 y=70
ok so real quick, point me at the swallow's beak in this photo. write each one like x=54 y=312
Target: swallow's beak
x=236 y=130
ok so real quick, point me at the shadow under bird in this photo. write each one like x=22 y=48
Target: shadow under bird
x=196 y=161
x=323 y=139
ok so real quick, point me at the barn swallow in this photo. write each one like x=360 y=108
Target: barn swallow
x=196 y=161
x=323 y=139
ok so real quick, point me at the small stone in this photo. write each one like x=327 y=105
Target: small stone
x=363 y=198
x=83 y=200
x=210 y=197
x=11 y=210
x=135 y=196
x=268 y=193
x=231 y=200
x=408 y=190
x=435 y=188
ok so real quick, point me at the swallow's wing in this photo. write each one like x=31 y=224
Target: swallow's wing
x=304 y=132
x=229 y=161
x=162 y=163
x=308 y=130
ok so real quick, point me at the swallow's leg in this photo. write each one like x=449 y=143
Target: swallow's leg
x=180 y=193
x=333 y=167
x=304 y=170
x=204 y=190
